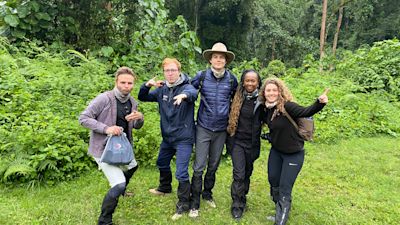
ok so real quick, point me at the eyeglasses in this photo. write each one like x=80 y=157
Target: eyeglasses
x=171 y=71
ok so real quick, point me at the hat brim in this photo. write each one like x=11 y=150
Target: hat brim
x=230 y=56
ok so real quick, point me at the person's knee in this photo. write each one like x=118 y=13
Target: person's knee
x=182 y=176
x=197 y=173
x=163 y=164
x=238 y=177
x=273 y=179
x=199 y=166
x=117 y=190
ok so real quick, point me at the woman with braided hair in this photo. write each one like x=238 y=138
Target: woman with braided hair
x=245 y=120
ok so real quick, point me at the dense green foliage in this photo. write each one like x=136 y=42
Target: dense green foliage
x=41 y=96
x=287 y=30
x=267 y=30
x=375 y=69
x=332 y=188
x=137 y=34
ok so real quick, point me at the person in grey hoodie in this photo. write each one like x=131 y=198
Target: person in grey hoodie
x=112 y=113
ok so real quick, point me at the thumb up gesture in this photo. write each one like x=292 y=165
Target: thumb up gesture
x=324 y=97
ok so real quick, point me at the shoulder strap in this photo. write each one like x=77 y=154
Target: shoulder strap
x=202 y=77
x=231 y=82
x=290 y=118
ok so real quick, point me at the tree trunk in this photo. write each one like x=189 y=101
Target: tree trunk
x=197 y=5
x=322 y=33
x=339 y=24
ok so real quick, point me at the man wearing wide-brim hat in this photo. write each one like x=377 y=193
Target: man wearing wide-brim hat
x=216 y=86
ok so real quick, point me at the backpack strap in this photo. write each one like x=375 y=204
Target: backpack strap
x=202 y=77
x=231 y=82
x=290 y=118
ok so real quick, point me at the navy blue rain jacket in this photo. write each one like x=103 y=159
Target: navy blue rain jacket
x=216 y=95
x=177 y=121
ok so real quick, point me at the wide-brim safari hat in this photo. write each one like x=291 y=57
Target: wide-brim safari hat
x=219 y=48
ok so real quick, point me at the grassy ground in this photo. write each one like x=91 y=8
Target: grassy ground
x=352 y=182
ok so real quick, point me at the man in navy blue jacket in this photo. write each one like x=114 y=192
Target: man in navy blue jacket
x=216 y=86
x=176 y=99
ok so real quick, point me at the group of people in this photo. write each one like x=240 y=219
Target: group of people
x=228 y=110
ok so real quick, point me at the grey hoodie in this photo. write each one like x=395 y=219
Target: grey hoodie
x=100 y=114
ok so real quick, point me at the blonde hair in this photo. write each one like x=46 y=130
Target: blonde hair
x=284 y=93
x=171 y=60
x=124 y=70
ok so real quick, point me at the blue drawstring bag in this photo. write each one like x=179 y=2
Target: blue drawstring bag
x=118 y=151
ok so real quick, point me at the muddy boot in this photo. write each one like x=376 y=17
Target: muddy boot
x=282 y=210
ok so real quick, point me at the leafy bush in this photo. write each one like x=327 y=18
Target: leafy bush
x=349 y=113
x=374 y=69
x=41 y=98
x=276 y=68
x=157 y=38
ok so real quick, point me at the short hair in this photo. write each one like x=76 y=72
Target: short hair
x=171 y=60
x=222 y=53
x=124 y=70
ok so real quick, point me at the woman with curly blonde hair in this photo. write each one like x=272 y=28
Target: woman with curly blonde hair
x=244 y=128
x=286 y=156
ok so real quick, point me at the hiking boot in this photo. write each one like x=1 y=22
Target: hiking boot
x=128 y=194
x=176 y=216
x=237 y=213
x=211 y=203
x=194 y=213
x=154 y=191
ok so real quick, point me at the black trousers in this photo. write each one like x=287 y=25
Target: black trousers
x=242 y=160
x=283 y=170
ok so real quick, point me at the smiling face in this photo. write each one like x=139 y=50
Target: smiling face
x=271 y=93
x=124 y=83
x=250 y=82
x=218 y=61
x=171 y=72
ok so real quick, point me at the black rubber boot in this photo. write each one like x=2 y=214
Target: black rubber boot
x=197 y=185
x=109 y=204
x=282 y=210
x=165 y=182
x=183 y=197
x=128 y=175
x=274 y=191
x=237 y=213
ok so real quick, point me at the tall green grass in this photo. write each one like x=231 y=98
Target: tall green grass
x=352 y=182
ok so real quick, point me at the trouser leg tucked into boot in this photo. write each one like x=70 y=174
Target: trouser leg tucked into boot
x=183 y=197
x=109 y=204
x=165 y=182
x=197 y=185
x=128 y=175
x=274 y=192
x=282 y=210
